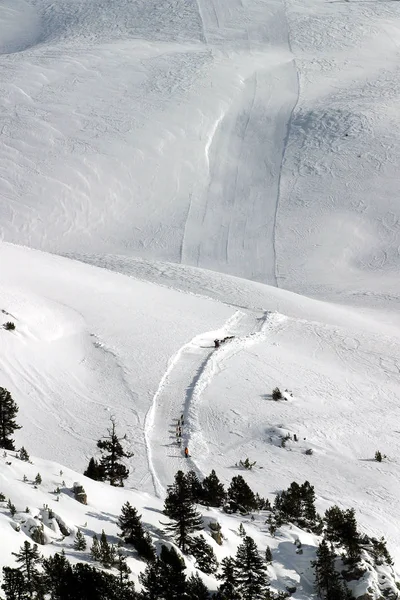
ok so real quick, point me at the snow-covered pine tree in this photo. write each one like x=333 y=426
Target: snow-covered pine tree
x=8 y=413
x=179 y=507
x=79 y=541
x=213 y=493
x=241 y=495
x=112 y=451
x=205 y=557
x=250 y=571
x=132 y=532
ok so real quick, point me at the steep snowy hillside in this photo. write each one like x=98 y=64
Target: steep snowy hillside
x=258 y=139
x=50 y=507
x=90 y=343
x=198 y=204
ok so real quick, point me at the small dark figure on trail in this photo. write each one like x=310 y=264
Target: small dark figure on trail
x=182 y=420
x=179 y=432
x=217 y=343
x=179 y=441
x=186 y=452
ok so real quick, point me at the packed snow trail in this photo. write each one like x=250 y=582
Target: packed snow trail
x=188 y=373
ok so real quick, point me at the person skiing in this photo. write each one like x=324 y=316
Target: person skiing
x=186 y=451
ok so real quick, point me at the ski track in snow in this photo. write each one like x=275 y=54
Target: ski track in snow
x=189 y=372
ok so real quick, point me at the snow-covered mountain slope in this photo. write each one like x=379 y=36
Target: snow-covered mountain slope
x=90 y=343
x=191 y=153
x=51 y=505
x=258 y=138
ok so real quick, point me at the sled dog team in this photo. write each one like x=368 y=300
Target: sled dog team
x=179 y=426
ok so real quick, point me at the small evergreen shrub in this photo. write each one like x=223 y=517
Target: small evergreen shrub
x=23 y=455
x=2 y=497
x=9 y=326
x=79 y=542
x=38 y=479
x=276 y=394
x=379 y=456
x=11 y=507
x=246 y=464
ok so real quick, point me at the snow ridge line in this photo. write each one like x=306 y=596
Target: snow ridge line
x=150 y=416
x=268 y=321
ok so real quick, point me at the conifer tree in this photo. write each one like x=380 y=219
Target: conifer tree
x=8 y=413
x=23 y=454
x=29 y=559
x=228 y=590
x=95 y=471
x=341 y=530
x=151 y=581
x=172 y=574
x=250 y=571
x=296 y=504
x=268 y=555
x=196 y=589
x=213 y=493
x=327 y=580
x=95 y=549
x=80 y=541
x=107 y=552
x=38 y=479
x=57 y=575
x=206 y=560
x=14 y=585
x=178 y=506
x=112 y=451
x=164 y=578
x=195 y=486
x=241 y=495
x=124 y=584
x=132 y=532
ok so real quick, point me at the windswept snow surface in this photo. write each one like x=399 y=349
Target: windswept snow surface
x=90 y=343
x=192 y=152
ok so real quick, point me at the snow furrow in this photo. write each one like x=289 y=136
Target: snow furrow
x=188 y=373
x=166 y=408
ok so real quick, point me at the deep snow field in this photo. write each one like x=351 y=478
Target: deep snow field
x=172 y=172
